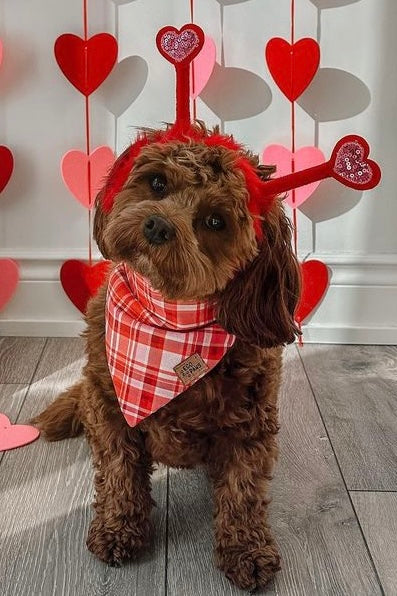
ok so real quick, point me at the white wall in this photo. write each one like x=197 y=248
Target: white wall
x=42 y=116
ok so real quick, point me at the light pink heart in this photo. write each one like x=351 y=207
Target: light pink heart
x=1 y=51
x=203 y=66
x=75 y=166
x=306 y=157
x=9 y=277
x=15 y=435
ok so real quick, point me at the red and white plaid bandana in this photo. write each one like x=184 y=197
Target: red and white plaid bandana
x=156 y=348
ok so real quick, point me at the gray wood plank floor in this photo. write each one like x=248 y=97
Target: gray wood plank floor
x=335 y=527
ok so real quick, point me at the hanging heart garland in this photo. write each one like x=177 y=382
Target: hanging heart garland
x=293 y=66
x=86 y=63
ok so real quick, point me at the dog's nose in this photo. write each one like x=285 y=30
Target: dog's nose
x=158 y=230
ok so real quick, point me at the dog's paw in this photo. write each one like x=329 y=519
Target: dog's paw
x=115 y=545
x=249 y=567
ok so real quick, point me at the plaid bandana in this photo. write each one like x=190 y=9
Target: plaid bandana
x=156 y=348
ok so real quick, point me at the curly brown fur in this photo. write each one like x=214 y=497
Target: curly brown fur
x=227 y=421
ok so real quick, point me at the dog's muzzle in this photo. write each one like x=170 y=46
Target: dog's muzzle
x=158 y=230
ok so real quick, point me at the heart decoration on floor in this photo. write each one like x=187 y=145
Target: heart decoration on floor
x=203 y=66
x=6 y=166
x=77 y=167
x=306 y=157
x=9 y=277
x=81 y=281
x=86 y=63
x=15 y=435
x=292 y=66
x=315 y=279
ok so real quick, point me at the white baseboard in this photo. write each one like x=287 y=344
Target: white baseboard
x=359 y=307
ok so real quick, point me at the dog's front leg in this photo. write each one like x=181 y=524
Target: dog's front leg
x=123 y=503
x=245 y=550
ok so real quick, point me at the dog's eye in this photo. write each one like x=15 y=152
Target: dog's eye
x=214 y=221
x=158 y=184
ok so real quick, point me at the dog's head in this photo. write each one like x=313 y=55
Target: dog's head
x=183 y=220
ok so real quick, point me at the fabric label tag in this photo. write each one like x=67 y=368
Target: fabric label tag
x=191 y=369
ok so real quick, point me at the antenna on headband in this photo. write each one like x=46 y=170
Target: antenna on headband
x=348 y=164
x=180 y=47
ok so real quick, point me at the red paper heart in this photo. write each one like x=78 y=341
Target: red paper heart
x=180 y=46
x=15 y=435
x=86 y=63
x=350 y=166
x=9 y=277
x=314 y=285
x=6 y=166
x=82 y=281
x=292 y=66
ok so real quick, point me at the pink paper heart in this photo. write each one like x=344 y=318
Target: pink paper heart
x=1 y=51
x=306 y=157
x=203 y=66
x=15 y=435
x=75 y=166
x=9 y=277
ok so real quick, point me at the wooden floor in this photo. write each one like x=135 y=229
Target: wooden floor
x=334 y=508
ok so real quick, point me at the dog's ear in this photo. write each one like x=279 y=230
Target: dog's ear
x=258 y=305
x=100 y=221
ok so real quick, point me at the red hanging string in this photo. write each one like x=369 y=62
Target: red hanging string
x=294 y=215
x=193 y=81
x=293 y=147
x=87 y=133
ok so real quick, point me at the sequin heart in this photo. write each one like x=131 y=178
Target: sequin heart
x=350 y=165
x=180 y=46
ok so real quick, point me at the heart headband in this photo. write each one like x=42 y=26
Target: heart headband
x=349 y=163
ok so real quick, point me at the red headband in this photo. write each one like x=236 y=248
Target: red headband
x=349 y=163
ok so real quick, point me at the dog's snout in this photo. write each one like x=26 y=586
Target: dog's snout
x=158 y=230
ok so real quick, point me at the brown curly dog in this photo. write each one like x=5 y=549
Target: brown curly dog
x=226 y=421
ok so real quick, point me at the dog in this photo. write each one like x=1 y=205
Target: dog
x=182 y=222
